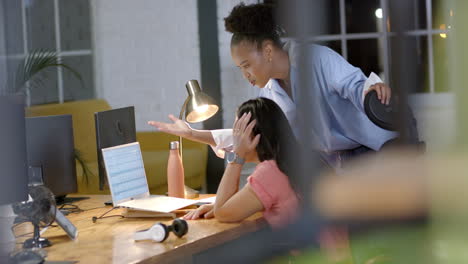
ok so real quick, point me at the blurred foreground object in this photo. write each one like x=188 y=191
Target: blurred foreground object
x=387 y=185
x=401 y=185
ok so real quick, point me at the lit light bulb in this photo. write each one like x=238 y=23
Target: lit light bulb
x=379 y=13
x=202 y=109
x=443 y=35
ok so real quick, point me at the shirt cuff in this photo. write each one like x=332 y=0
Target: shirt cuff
x=373 y=79
x=223 y=140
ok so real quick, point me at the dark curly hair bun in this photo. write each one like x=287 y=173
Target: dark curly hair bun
x=254 y=23
x=251 y=19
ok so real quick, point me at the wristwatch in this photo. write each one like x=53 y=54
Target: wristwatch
x=232 y=157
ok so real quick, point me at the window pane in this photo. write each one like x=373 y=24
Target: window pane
x=422 y=63
x=73 y=88
x=361 y=16
x=75 y=28
x=332 y=15
x=14 y=27
x=443 y=14
x=45 y=88
x=441 y=64
x=419 y=14
x=418 y=46
x=40 y=24
x=364 y=53
x=12 y=64
x=334 y=45
x=333 y=22
x=417 y=10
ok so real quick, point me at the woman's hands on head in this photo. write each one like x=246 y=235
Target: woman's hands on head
x=244 y=140
x=178 y=128
x=205 y=211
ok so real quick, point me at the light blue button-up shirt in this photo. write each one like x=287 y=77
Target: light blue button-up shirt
x=339 y=86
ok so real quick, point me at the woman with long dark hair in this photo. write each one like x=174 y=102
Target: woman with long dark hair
x=262 y=135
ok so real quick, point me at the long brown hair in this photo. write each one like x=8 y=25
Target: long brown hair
x=277 y=141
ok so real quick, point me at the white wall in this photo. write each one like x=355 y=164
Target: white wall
x=145 y=51
x=234 y=88
x=3 y=68
x=436 y=117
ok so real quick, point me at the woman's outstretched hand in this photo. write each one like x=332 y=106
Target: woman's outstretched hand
x=244 y=140
x=178 y=128
x=205 y=211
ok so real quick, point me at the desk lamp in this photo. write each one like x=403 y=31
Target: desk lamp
x=197 y=107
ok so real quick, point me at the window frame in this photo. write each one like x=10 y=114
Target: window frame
x=58 y=46
x=428 y=32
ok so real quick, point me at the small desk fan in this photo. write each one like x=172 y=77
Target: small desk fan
x=40 y=211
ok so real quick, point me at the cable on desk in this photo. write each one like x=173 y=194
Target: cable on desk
x=77 y=209
x=94 y=219
x=100 y=207
x=70 y=209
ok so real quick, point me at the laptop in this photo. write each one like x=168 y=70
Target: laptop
x=128 y=185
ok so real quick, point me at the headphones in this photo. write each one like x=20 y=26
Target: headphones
x=159 y=231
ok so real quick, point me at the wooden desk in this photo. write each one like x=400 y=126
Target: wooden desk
x=110 y=240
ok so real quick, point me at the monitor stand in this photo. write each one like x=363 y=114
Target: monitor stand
x=63 y=199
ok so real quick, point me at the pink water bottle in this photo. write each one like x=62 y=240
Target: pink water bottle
x=175 y=172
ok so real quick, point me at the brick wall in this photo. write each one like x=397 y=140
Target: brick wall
x=145 y=51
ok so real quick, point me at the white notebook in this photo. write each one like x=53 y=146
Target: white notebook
x=127 y=181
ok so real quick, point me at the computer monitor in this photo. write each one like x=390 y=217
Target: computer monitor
x=51 y=153
x=113 y=127
x=13 y=174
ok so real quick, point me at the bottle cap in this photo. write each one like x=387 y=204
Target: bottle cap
x=174 y=145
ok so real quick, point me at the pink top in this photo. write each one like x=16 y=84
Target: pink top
x=273 y=190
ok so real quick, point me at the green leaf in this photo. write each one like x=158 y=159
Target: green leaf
x=36 y=63
x=86 y=170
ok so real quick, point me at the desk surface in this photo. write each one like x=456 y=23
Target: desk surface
x=110 y=240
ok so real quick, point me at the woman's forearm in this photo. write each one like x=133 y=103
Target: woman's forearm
x=202 y=136
x=228 y=186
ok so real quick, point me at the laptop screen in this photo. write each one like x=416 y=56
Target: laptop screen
x=125 y=172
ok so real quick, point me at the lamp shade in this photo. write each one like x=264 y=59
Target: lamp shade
x=199 y=106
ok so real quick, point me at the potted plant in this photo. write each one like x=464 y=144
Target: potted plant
x=30 y=71
x=30 y=75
